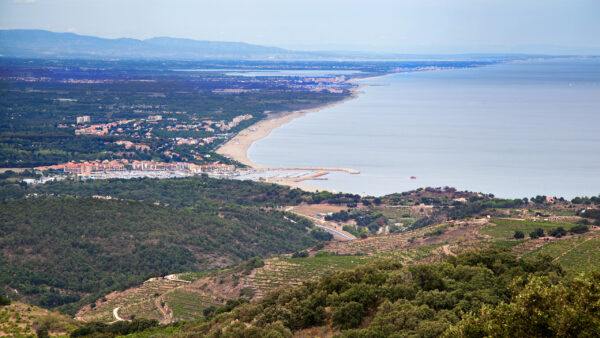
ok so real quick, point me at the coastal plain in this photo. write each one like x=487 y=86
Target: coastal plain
x=211 y=249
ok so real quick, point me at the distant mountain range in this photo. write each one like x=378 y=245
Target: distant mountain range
x=33 y=43
x=24 y=43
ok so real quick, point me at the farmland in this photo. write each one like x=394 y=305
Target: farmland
x=578 y=253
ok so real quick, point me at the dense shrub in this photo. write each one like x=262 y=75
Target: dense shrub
x=558 y=232
x=115 y=329
x=539 y=232
x=321 y=235
x=4 y=300
x=348 y=316
x=539 y=307
x=300 y=254
x=579 y=229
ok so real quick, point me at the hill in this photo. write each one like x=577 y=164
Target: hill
x=58 y=251
x=202 y=229
x=181 y=192
x=168 y=300
x=45 y=44
x=24 y=320
x=383 y=298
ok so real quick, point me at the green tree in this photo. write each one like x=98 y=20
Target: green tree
x=348 y=315
x=539 y=309
x=579 y=229
x=558 y=232
x=4 y=300
x=539 y=232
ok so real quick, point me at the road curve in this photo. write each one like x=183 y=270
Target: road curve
x=116 y=314
x=316 y=222
x=335 y=232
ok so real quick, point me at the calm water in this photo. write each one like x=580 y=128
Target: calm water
x=515 y=130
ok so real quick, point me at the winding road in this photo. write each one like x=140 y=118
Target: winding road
x=116 y=314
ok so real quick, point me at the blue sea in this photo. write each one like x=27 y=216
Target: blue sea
x=513 y=129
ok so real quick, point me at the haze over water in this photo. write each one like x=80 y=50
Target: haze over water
x=514 y=130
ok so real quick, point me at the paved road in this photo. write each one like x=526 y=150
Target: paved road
x=335 y=232
x=316 y=221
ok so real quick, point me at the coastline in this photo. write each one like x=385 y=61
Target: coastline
x=237 y=147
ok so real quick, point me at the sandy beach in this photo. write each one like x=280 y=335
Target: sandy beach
x=237 y=148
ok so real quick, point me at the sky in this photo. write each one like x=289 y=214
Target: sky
x=384 y=26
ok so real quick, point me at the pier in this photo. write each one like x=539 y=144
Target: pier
x=346 y=170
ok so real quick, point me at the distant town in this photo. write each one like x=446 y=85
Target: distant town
x=124 y=168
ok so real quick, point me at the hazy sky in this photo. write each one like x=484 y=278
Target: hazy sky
x=404 y=26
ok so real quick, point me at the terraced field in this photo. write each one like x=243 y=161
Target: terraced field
x=291 y=271
x=577 y=253
x=448 y=233
x=408 y=248
x=187 y=304
x=192 y=276
x=144 y=308
x=414 y=255
x=139 y=301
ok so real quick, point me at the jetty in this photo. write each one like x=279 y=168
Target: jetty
x=346 y=170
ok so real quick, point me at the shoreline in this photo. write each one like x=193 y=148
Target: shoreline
x=237 y=147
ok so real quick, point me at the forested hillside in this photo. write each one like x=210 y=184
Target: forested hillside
x=475 y=294
x=174 y=192
x=57 y=251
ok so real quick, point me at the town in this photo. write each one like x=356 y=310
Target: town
x=131 y=169
x=136 y=114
